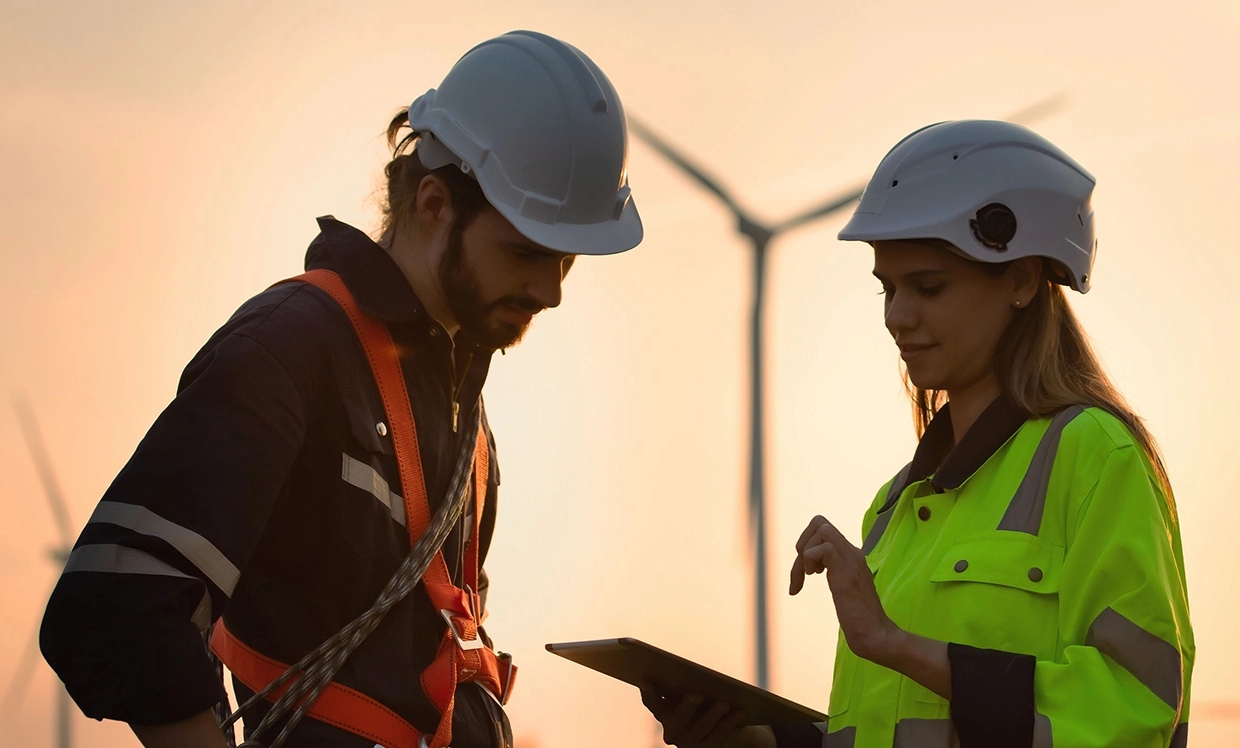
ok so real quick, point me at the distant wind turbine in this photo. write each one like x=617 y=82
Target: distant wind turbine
x=760 y=236
x=59 y=555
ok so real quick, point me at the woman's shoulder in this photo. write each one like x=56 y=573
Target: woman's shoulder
x=1099 y=431
x=1098 y=446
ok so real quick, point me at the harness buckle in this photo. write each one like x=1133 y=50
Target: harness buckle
x=507 y=678
x=465 y=644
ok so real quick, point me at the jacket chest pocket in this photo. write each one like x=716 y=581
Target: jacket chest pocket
x=998 y=590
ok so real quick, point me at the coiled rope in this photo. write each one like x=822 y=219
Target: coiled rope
x=310 y=676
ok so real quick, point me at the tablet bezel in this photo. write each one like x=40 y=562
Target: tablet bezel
x=632 y=660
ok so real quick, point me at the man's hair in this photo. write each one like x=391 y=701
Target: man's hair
x=405 y=173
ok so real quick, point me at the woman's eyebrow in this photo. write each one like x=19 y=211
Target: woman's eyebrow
x=914 y=275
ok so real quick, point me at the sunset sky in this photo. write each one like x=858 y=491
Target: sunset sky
x=161 y=162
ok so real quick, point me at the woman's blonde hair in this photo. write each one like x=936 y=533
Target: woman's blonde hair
x=1044 y=363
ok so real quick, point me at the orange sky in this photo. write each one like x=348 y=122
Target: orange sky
x=160 y=164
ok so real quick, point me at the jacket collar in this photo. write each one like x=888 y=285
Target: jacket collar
x=371 y=275
x=951 y=463
x=374 y=279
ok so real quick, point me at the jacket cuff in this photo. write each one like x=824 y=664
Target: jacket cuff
x=992 y=696
x=797 y=736
x=168 y=679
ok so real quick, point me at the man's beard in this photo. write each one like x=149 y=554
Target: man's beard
x=464 y=295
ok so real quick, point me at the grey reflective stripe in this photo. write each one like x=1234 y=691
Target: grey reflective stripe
x=110 y=558
x=844 y=738
x=117 y=559
x=1024 y=513
x=358 y=473
x=1042 y=731
x=885 y=512
x=195 y=548
x=823 y=727
x=202 y=617
x=1153 y=661
x=1179 y=739
x=926 y=733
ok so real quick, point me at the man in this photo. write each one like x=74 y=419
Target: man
x=266 y=501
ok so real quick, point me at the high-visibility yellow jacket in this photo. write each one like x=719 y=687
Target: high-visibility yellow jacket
x=1050 y=539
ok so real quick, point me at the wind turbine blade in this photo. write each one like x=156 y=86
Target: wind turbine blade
x=1040 y=110
x=34 y=441
x=671 y=154
x=830 y=206
x=21 y=677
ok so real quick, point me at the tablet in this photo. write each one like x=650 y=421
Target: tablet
x=633 y=661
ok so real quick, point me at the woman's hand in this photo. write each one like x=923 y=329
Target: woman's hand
x=693 y=723
x=869 y=632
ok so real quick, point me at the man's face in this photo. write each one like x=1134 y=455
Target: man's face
x=496 y=280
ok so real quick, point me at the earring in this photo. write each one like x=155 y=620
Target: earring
x=1017 y=302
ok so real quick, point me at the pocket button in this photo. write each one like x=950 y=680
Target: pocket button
x=1035 y=574
x=961 y=565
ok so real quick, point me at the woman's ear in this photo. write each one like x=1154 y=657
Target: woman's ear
x=1025 y=274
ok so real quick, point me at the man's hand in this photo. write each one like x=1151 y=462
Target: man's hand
x=692 y=723
x=865 y=624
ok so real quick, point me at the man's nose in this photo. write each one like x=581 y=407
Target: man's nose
x=545 y=288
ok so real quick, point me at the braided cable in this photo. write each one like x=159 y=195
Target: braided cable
x=312 y=674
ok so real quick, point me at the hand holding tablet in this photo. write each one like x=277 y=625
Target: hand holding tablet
x=671 y=677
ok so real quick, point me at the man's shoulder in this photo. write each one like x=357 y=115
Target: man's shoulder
x=288 y=312
x=298 y=324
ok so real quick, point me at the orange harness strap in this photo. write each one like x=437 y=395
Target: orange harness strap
x=339 y=705
x=462 y=655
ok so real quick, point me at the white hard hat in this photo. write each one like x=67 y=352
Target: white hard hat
x=994 y=191
x=542 y=130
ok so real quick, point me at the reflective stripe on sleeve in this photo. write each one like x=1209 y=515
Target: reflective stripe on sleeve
x=844 y=738
x=925 y=733
x=195 y=548
x=1024 y=513
x=109 y=558
x=1150 y=659
x=1042 y=731
x=117 y=559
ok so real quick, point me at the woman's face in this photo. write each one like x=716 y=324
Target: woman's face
x=945 y=313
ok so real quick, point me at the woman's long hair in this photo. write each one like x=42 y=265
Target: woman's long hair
x=1044 y=363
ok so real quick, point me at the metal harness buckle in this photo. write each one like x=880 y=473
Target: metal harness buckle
x=464 y=644
x=507 y=659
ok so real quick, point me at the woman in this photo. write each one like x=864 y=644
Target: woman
x=1021 y=581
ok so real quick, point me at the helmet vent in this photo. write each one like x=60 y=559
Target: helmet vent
x=894 y=182
x=994 y=226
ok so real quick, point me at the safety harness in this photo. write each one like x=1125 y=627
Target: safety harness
x=463 y=655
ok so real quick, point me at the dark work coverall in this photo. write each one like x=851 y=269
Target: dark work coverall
x=267 y=493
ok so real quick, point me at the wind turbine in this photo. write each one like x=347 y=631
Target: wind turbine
x=760 y=235
x=59 y=555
